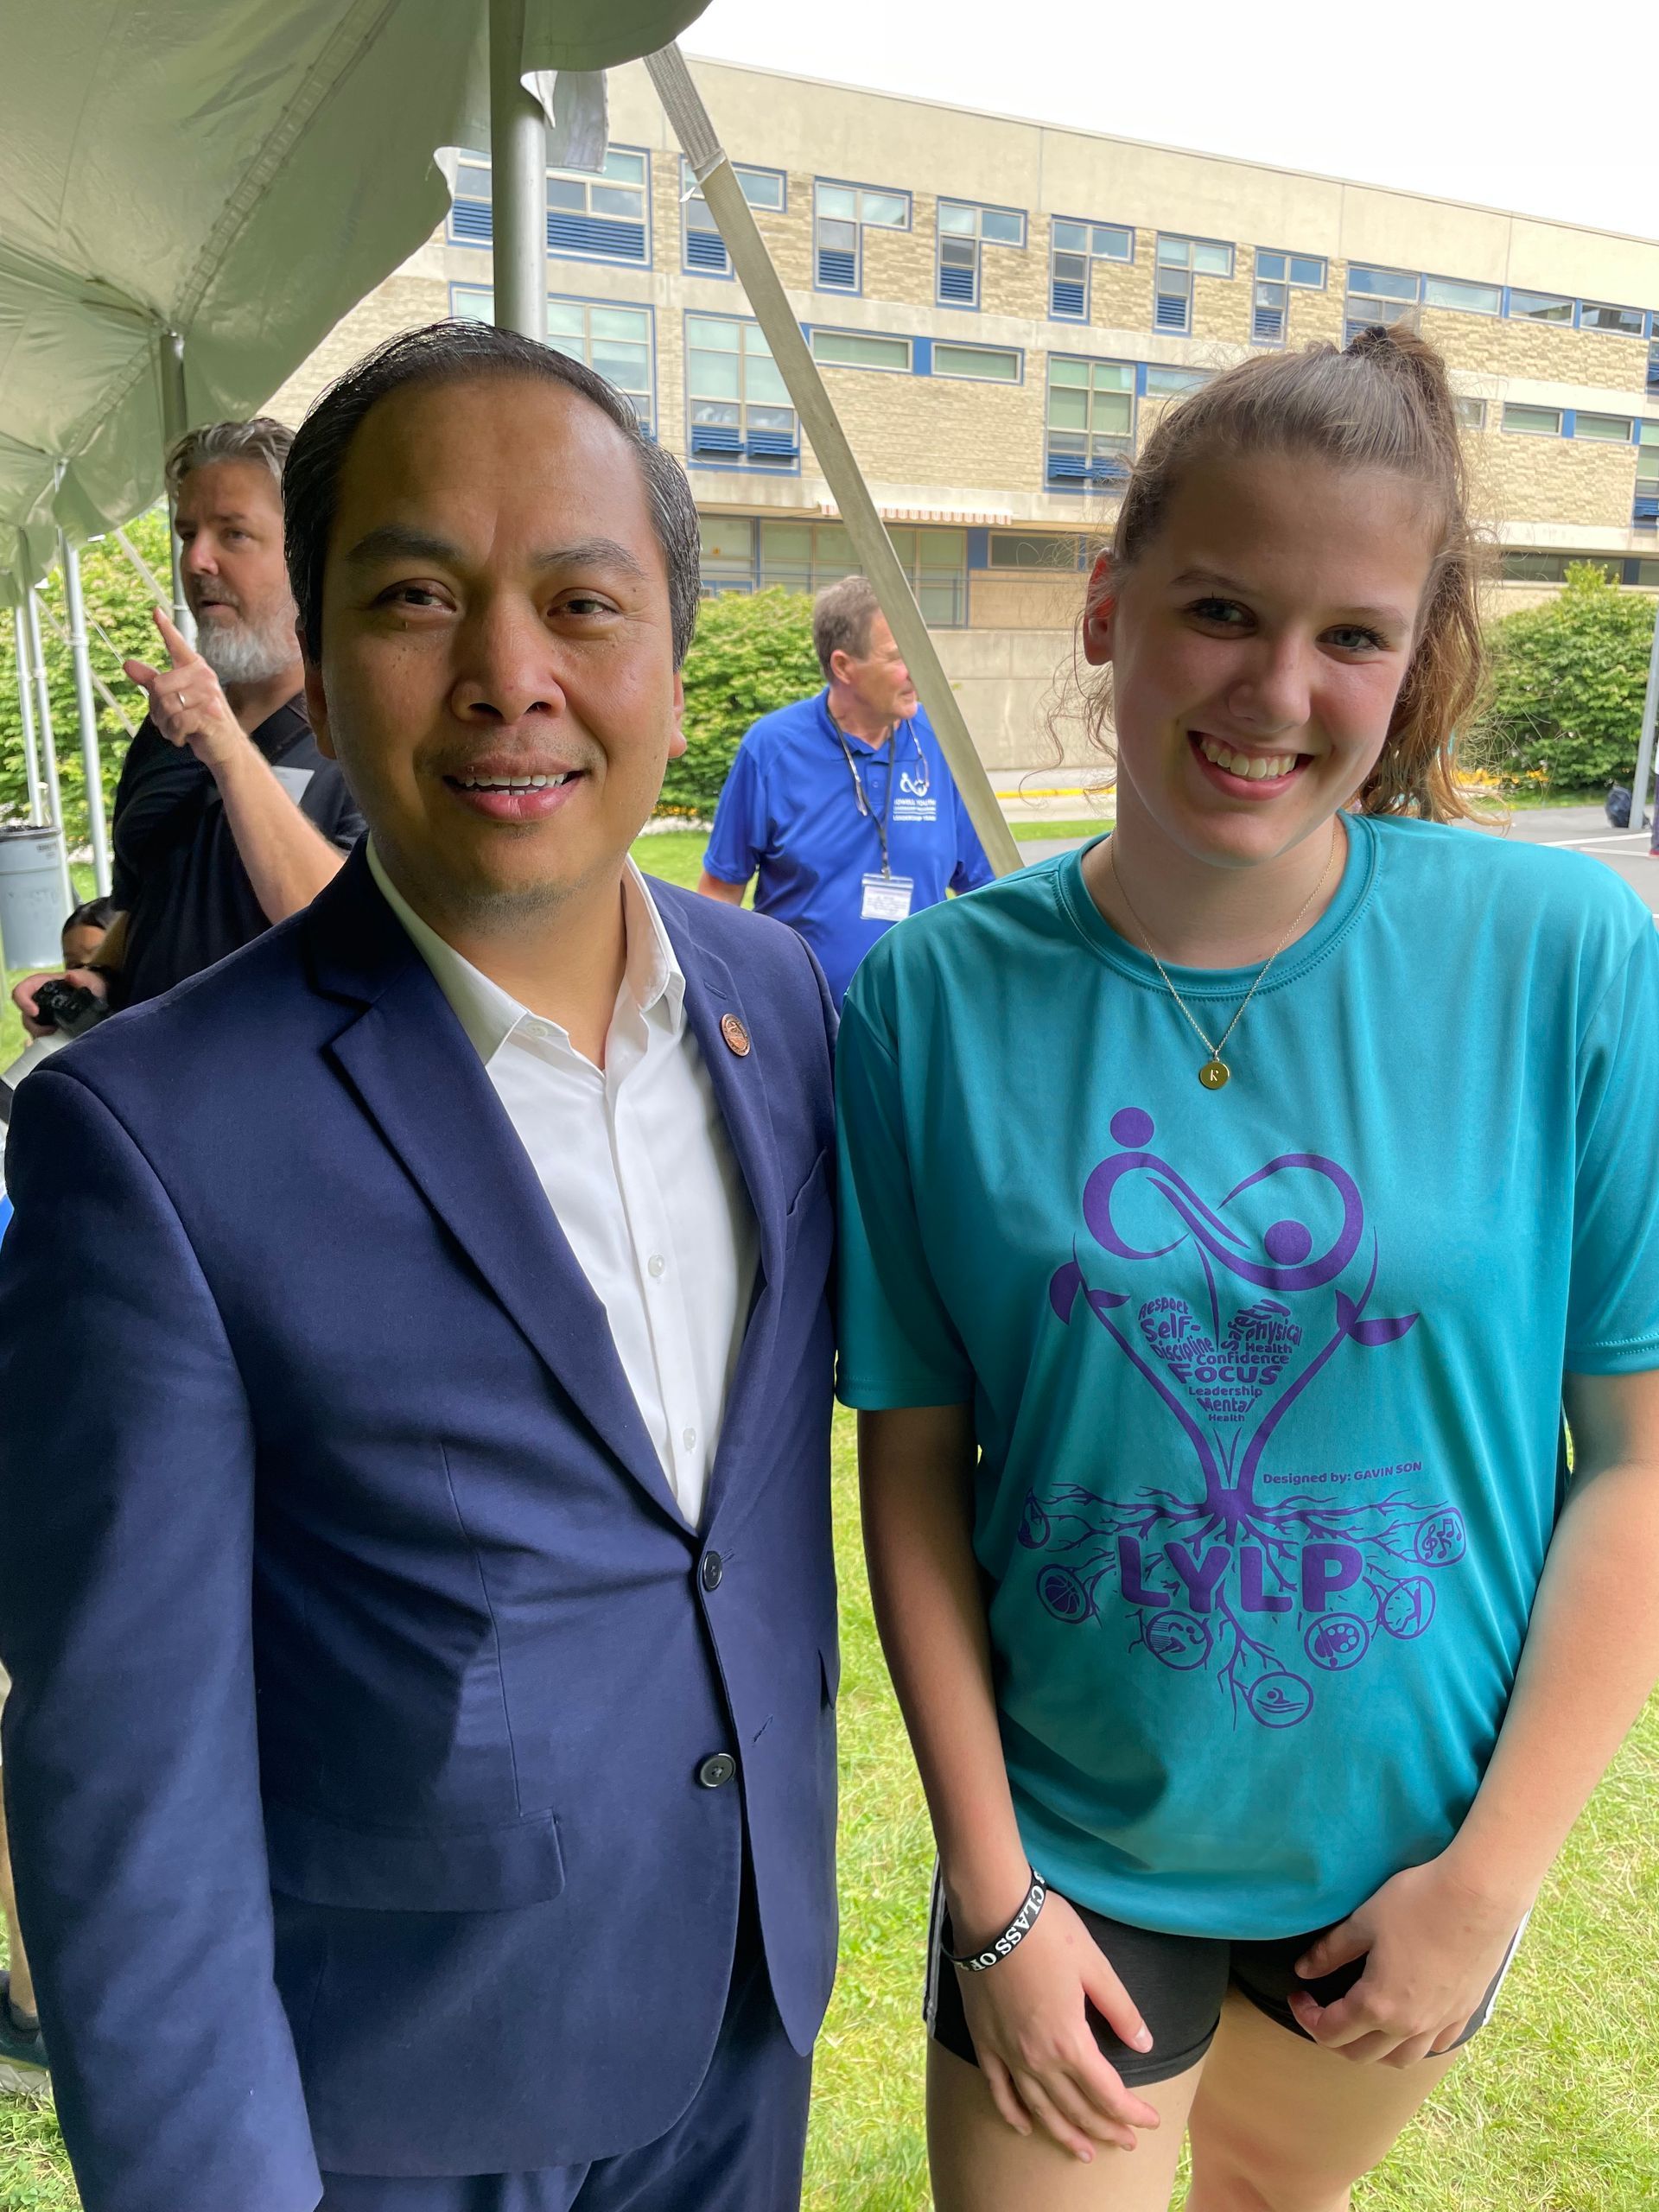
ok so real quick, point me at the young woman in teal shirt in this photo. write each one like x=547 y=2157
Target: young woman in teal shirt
x=1229 y=1210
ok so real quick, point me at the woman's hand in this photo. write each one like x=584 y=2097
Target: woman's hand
x=1028 y=2018
x=1433 y=1942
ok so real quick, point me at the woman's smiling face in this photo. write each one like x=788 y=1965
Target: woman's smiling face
x=1257 y=646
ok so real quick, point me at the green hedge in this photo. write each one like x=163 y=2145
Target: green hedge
x=751 y=653
x=1568 y=680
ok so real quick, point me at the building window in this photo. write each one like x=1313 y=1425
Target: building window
x=596 y=215
x=1472 y=413
x=1541 y=307
x=613 y=340
x=1179 y=261
x=726 y=550
x=740 y=406
x=1646 y=512
x=805 y=556
x=1160 y=382
x=841 y=214
x=469 y=209
x=1277 y=275
x=1521 y=568
x=1073 y=248
x=1629 y=322
x=600 y=217
x=1610 y=429
x=859 y=349
x=1467 y=299
x=704 y=250
x=1048 y=551
x=1535 y=421
x=1653 y=365
x=989 y=364
x=1376 y=295
x=1090 y=437
x=1645 y=574
x=963 y=230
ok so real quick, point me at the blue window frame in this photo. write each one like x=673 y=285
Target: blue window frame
x=1645 y=513
x=979 y=364
x=1277 y=275
x=964 y=227
x=739 y=409
x=1653 y=361
x=840 y=215
x=612 y=336
x=591 y=215
x=1541 y=307
x=702 y=249
x=1624 y=322
x=1090 y=439
x=1378 y=295
x=1073 y=248
x=1179 y=260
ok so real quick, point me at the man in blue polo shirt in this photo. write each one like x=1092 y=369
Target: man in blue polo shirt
x=843 y=801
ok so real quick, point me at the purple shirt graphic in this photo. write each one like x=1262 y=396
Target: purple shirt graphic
x=1266 y=1380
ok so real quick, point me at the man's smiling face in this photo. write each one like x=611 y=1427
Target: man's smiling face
x=497 y=674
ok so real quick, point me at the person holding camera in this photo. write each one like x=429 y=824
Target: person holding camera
x=227 y=818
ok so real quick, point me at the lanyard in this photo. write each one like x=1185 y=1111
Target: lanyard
x=883 y=821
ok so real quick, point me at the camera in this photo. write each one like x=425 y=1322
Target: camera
x=69 y=1008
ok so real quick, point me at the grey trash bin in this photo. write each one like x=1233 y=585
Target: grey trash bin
x=31 y=896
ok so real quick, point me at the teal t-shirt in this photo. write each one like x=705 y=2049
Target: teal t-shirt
x=1266 y=1381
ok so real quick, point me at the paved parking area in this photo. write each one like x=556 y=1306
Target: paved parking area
x=1579 y=829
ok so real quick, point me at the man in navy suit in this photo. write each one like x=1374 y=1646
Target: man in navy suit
x=415 y=1390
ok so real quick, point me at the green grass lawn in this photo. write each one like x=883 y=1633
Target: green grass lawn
x=1556 y=2108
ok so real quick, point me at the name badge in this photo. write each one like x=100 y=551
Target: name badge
x=293 y=781
x=887 y=898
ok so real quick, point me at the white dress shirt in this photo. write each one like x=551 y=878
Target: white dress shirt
x=638 y=1169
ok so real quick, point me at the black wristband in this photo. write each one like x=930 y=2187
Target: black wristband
x=1011 y=1936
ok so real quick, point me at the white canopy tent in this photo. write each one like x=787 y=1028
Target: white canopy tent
x=191 y=200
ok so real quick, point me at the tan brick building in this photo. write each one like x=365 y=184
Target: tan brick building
x=1001 y=308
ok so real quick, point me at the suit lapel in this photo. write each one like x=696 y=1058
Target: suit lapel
x=741 y=1087
x=424 y=1086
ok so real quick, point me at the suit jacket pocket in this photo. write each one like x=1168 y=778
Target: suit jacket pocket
x=466 y=1870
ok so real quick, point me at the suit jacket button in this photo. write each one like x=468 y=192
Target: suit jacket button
x=714 y=1568
x=717 y=1770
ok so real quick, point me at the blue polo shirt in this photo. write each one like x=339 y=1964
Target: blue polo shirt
x=790 y=810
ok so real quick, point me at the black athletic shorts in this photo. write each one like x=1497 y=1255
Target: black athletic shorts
x=1178 y=1982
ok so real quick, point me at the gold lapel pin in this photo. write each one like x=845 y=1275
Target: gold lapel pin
x=736 y=1036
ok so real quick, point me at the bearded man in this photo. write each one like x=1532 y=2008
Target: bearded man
x=228 y=818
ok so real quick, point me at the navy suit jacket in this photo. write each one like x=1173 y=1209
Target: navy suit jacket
x=364 y=1664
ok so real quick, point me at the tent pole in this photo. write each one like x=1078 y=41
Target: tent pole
x=92 y=758
x=517 y=179
x=1639 y=789
x=176 y=420
x=753 y=263
x=49 y=742
x=26 y=712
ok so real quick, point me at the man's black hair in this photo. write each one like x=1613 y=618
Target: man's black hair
x=453 y=353
x=92 y=914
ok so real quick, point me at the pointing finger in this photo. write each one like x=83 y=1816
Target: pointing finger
x=179 y=648
x=140 y=672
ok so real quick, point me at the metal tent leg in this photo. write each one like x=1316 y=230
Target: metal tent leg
x=750 y=258
x=176 y=420
x=49 y=742
x=517 y=179
x=26 y=712
x=86 y=712
x=1640 y=789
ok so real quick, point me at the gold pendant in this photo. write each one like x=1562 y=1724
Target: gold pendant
x=1214 y=1073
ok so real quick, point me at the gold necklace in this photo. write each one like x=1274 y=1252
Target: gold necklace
x=1215 y=1073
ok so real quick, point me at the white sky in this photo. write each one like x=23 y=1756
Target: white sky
x=1506 y=102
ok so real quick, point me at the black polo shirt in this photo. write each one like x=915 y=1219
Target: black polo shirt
x=178 y=876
